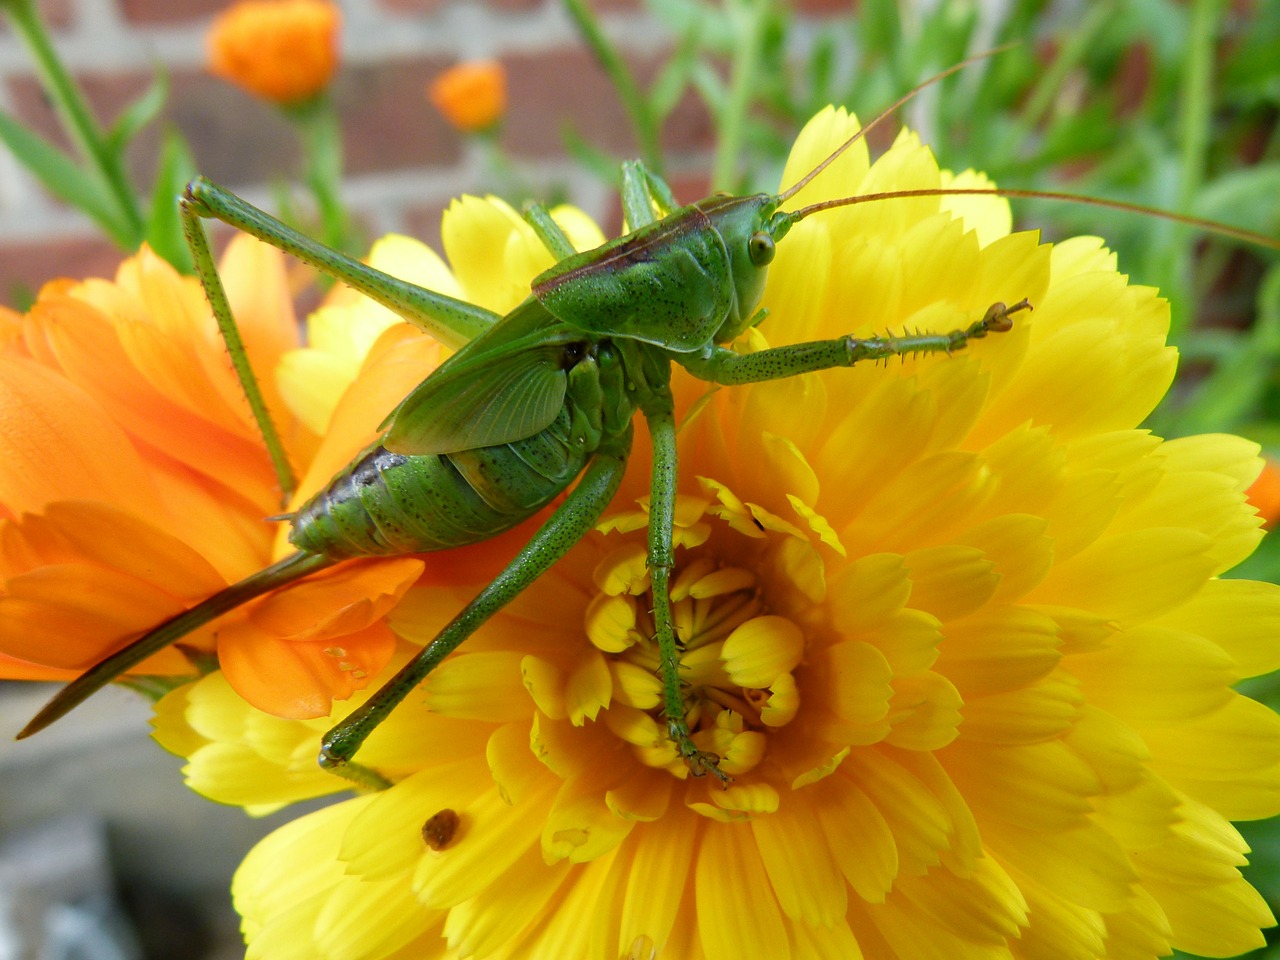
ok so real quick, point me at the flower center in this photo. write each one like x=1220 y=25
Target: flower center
x=736 y=658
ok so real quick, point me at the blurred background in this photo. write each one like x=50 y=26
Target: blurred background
x=1170 y=104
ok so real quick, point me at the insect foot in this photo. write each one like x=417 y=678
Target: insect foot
x=996 y=319
x=699 y=762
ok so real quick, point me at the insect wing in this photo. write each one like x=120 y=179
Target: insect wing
x=667 y=284
x=497 y=398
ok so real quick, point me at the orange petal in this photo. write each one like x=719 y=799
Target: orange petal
x=88 y=348
x=11 y=668
x=337 y=603
x=55 y=444
x=300 y=681
x=72 y=615
x=105 y=535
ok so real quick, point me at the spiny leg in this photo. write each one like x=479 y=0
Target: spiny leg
x=723 y=366
x=643 y=193
x=659 y=413
x=451 y=321
x=216 y=294
x=572 y=520
x=548 y=231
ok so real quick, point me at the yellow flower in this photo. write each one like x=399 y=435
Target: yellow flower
x=954 y=624
x=472 y=96
x=281 y=50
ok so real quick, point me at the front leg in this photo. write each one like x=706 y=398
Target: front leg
x=723 y=366
x=659 y=413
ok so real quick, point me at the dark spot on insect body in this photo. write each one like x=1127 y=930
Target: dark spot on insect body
x=573 y=353
x=439 y=830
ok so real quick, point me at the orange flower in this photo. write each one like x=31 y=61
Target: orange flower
x=472 y=96
x=1264 y=494
x=133 y=484
x=284 y=51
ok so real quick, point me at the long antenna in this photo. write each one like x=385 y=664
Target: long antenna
x=1211 y=226
x=882 y=115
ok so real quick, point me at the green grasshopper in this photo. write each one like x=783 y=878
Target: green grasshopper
x=529 y=403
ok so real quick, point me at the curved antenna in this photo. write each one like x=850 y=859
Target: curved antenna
x=804 y=181
x=1211 y=226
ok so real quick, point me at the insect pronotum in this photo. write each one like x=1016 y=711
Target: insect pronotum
x=531 y=402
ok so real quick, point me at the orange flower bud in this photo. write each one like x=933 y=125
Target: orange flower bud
x=280 y=50
x=472 y=96
x=1264 y=494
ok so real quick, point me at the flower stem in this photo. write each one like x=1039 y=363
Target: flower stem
x=1196 y=101
x=321 y=135
x=638 y=110
x=732 y=119
x=77 y=120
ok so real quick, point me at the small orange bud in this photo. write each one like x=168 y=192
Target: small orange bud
x=280 y=50
x=1264 y=494
x=472 y=96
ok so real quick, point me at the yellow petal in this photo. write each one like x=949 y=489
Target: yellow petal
x=801 y=869
x=859 y=837
x=741 y=917
x=762 y=649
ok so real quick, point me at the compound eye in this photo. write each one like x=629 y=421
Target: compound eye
x=760 y=248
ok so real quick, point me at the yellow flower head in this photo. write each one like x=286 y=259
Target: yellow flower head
x=954 y=624
x=281 y=50
x=472 y=96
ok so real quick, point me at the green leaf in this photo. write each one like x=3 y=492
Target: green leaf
x=1243 y=198
x=672 y=80
x=66 y=180
x=596 y=161
x=1237 y=383
x=138 y=114
x=164 y=225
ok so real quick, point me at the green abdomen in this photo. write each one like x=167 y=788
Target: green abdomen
x=387 y=503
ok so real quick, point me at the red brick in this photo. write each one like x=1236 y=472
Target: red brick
x=232 y=136
x=388 y=123
x=411 y=7
x=56 y=14
x=516 y=6
x=25 y=266
x=169 y=12
x=567 y=87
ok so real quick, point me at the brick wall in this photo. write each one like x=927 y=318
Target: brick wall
x=403 y=162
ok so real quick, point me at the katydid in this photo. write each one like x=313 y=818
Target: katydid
x=529 y=403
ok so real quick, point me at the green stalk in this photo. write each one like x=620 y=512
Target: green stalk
x=1046 y=90
x=321 y=135
x=77 y=120
x=633 y=101
x=732 y=120
x=1194 y=118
